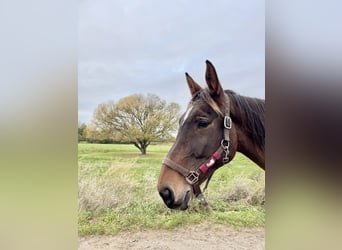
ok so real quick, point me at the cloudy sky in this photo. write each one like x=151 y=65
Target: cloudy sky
x=133 y=46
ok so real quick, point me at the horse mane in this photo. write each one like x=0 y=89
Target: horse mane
x=252 y=116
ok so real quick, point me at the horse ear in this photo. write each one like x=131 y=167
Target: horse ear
x=193 y=86
x=212 y=80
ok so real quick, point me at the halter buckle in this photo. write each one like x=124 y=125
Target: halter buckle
x=227 y=122
x=192 y=177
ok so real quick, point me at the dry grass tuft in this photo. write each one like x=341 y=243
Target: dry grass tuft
x=109 y=190
x=247 y=191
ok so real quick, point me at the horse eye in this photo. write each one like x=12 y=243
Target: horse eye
x=202 y=124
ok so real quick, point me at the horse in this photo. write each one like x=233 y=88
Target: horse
x=216 y=124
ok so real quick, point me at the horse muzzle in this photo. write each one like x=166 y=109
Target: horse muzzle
x=169 y=199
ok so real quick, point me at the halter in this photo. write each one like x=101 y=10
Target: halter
x=195 y=177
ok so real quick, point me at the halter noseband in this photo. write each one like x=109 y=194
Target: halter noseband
x=194 y=177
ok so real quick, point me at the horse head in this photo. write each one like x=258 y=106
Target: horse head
x=206 y=140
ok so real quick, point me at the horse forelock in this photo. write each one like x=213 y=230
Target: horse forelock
x=206 y=97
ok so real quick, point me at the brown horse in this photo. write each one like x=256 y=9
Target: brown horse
x=216 y=124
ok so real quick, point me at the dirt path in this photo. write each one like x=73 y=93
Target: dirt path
x=204 y=236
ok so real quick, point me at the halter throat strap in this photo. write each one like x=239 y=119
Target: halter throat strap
x=206 y=169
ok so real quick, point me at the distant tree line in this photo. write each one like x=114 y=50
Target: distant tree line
x=137 y=119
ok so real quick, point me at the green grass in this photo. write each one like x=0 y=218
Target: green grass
x=118 y=191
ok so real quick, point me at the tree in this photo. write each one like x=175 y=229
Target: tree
x=81 y=131
x=137 y=119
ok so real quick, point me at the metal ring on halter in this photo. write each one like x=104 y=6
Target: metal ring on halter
x=225 y=158
x=192 y=177
x=225 y=143
x=227 y=122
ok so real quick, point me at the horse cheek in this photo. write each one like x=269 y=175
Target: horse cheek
x=199 y=146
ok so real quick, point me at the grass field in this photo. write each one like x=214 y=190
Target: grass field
x=118 y=191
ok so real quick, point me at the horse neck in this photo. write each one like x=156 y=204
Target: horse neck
x=247 y=147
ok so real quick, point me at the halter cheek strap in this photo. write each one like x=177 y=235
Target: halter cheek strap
x=206 y=169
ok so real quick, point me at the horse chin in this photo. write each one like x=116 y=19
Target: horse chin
x=184 y=205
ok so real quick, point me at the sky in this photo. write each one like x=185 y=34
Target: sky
x=132 y=46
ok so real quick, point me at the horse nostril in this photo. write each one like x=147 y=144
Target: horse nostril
x=167 y=196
